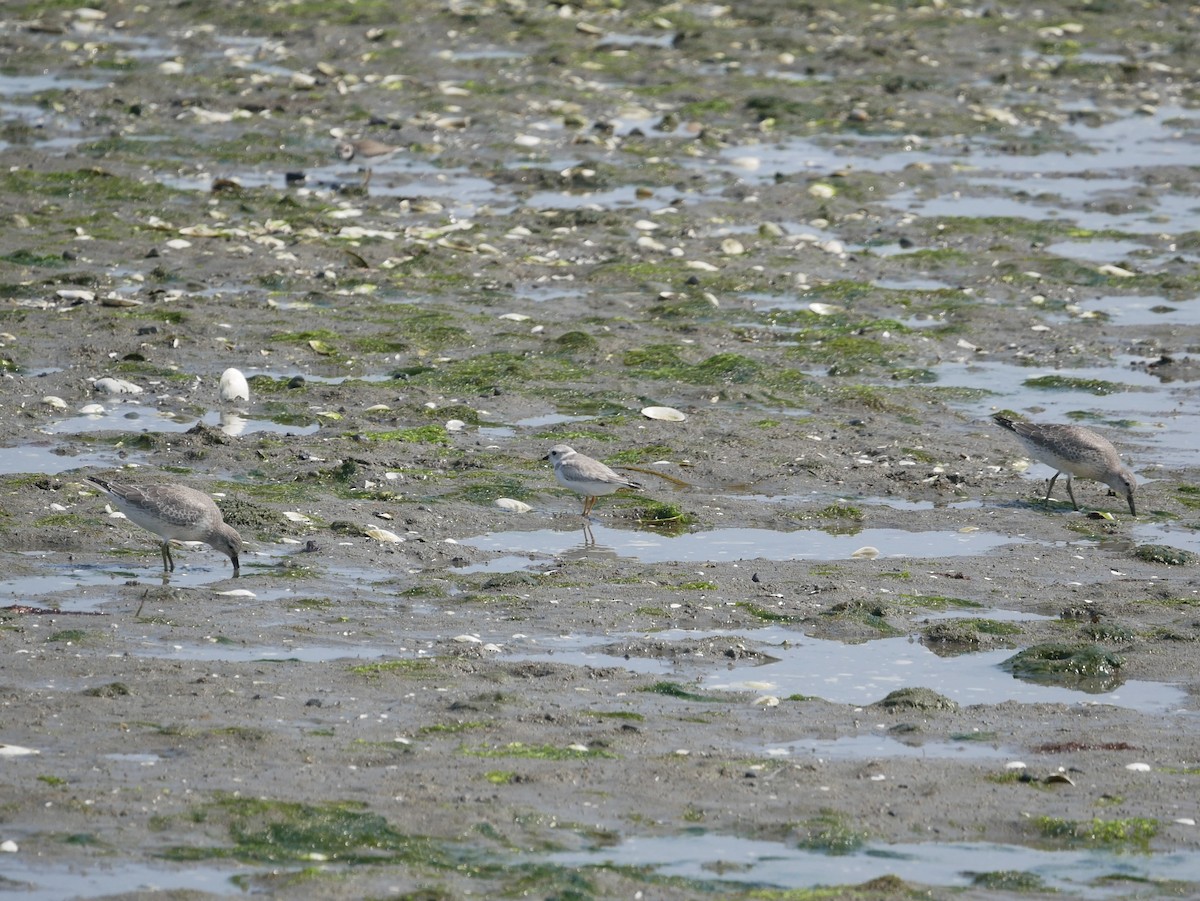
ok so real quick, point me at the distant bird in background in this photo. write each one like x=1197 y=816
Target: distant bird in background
x=1077 y=452
x=175 y=512
x=586 y=476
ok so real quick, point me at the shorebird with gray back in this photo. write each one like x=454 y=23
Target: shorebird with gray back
x=175 y=512
x=369 y=152
x=586 y=476
x=1076 y=451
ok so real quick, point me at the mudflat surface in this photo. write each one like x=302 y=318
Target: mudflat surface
x=837 y=240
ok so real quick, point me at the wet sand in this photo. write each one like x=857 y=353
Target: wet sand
x=837 y=241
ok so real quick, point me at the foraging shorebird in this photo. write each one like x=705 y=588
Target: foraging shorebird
x=586 y=476
x=369 y=151
x=1077 y=452
x=175 y=512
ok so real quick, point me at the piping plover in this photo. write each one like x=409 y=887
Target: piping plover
x=586 y=476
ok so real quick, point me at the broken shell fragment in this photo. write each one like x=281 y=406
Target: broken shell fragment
x=866 y=553
x=511 y=505
x=76 y=294
x=384 y=535
x=665 y=414
x=16 y=751
x=109 y=385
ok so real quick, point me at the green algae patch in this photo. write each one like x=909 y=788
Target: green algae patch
x=664 y=363
x=866 y=613
x=617 y=715
x=915 y=699
x=424 y=434
x=108 y=690
x=1132 y=834
x=939 y=602
x=32 y=259
x=93 y=185
x=949 y=637
x=829 y=833
x=1110 y=632
x=843 y=512
x=575 y=342
x=1009 y=881
x=667 y=519
x=269 y=831
x=451 y=728
x=1165 y=554
x=1084 y=667
x=540 y=752
x=675 y=690
x=71 y=636
x=495 y=370
x=1099 y=387
x=422 y=667
x=766 y=615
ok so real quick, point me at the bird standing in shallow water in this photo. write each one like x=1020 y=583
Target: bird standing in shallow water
x=369 y=151
x=174 y=512
x=1077 y=452
x=586 y=476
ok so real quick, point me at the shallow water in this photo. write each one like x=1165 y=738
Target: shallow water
x=873 y=746
x=858 y=674
x=32 y=879
x=701 y=855
x=536 y=546
x=42 y=459
x=131 y=417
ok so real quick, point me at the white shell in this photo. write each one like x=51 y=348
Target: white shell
x=236 y=593
x=383 y=535
x=825 y=309
x=8 y=846
x=116 y=386
x=1138 y=767
x=75 y=294
x=866 y=553
x=16 y=751
x=455 y=425
x=467 y=639
x=296 y=517
x=56 y=402
x=92 y=410
x=665 y=414
x=234 y=385
x=1015 y=765
x=512 y=505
